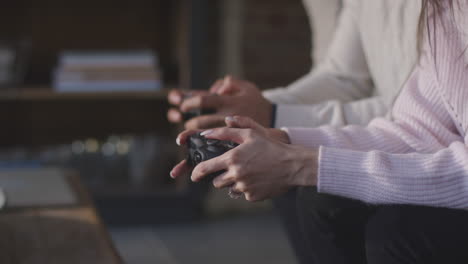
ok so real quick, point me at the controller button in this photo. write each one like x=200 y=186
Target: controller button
x=197 y=157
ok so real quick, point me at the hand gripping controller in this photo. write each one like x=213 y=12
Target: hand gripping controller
x=196 y=112
x=202 y=149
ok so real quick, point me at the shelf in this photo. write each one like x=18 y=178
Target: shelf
x=40 y=116
x=47 y=94
x=37 y=116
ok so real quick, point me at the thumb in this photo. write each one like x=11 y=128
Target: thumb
x=215 y=87
x=243 y=122
x=229 y=86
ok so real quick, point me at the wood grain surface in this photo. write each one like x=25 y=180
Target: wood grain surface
x=72 y=234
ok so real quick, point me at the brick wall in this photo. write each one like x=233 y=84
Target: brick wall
x=275 y=42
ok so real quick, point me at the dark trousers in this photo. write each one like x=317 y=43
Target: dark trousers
x=329 y=229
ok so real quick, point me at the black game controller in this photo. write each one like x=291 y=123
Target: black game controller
x=202 y=149
x=196 y=112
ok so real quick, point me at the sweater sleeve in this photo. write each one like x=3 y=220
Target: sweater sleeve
x=420 y=157
x=333 y=112
x=439 y=179
x=339 y=89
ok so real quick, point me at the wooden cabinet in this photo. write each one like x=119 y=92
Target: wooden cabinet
x=32 y=114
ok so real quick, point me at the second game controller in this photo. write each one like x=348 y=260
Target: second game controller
x=196 y=112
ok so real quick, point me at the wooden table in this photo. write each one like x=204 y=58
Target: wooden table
x=64 y=234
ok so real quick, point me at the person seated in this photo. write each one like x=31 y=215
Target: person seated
x=354 y=83
x=371 y=55
x=406 y=178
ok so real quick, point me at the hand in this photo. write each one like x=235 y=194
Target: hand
x=176 y=98
x=183 y=168
x=261 y=167
x=228 y=97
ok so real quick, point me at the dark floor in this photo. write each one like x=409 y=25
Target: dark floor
x=245 y=238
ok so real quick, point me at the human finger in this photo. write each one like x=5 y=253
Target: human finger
x=215 y=87
x=174 y=116
x=212 y=101
x=176 y=97
x=229 y=86
x=254 y=197
x=182 y=168
x=237 y=135
x=208 y=167
x=224 y=180
x=184 y=135
x=243 y=122
x=205 y=122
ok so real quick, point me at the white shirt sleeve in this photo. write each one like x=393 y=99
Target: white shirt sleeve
x=339 y=90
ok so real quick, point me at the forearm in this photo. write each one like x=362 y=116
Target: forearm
x=438 y=179
x=322 y=84
x=343 y=75
x=334 y=113
x=304 y=166
x=376 y=177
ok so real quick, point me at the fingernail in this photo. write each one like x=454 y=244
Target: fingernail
x=229 y=119
x=172 y=175
x=206 y=132
x=177 y=141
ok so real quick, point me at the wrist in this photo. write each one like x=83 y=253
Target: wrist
x=267 y=113
x=278 y=135
x=306 y=167
x=273 y=109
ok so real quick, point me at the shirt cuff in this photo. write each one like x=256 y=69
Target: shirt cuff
x=308 y=137
x=326 y=113
x=293 y=116
x=274 y=109
x=342 y=173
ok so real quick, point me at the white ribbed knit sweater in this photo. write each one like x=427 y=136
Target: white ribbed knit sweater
x=421 y=156
x=371 y=56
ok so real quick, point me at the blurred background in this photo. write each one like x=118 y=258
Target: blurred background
x=83 y=87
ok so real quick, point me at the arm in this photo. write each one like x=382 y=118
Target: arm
x=338 y=91
x=438 y=179
x=419 y=158
x=343 y=75
x=323 y=17
x=334 y=113
x=335 y=86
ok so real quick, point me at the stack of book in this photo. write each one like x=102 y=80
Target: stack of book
x=107 y=71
